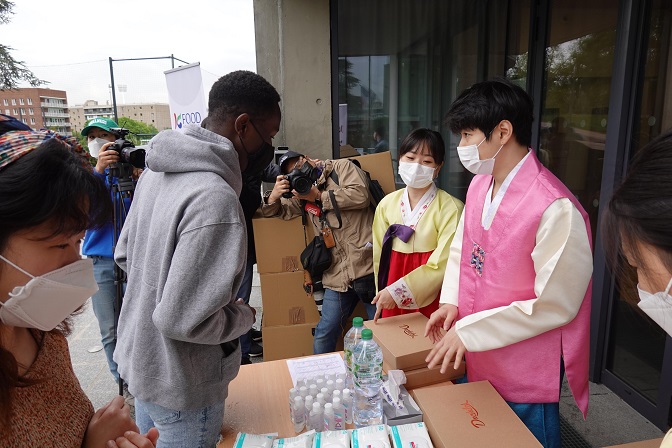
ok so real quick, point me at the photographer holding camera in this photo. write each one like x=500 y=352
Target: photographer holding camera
x=98 y=242
x=334 y=196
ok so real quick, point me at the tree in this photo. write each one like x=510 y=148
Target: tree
x=137 y=129
x=11 y=70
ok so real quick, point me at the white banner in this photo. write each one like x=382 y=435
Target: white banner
x=185 y=95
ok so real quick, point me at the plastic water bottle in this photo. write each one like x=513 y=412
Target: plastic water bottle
x=347 y=406
x=293 y=392
x=308 y=403
x=351 y=338
x=339 y=419
x=329 y=417
x=316 y=418
x=303 y=391
x=367 y=358
x=319 y=398
x=326 y=394
x=299 y=414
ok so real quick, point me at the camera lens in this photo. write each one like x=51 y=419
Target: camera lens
x=302 y=185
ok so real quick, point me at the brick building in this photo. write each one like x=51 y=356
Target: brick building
x=38 y=108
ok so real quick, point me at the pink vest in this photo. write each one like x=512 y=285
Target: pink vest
x=496 y=269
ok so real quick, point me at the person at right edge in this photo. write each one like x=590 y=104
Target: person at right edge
x=349 y=279
x=637 y=236
x=184 y=247
x=516 y=294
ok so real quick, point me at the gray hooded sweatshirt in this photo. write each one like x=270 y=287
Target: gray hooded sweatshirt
x=183 y=246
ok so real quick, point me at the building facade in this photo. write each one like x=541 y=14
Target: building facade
x=38 y=108
x=155 y=114
x=600 y=75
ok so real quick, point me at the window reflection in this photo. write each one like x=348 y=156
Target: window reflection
x=403 y=62
x=637 y=344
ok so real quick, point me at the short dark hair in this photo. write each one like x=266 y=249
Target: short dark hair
x=483 y=105
x=242 y=92
x=641 y=208
x=432 y=139
x=51 y=184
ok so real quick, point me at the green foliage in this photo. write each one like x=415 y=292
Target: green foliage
x=12 y=71
x=138 y=129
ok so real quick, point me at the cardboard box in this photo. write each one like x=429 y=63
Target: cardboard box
x=279 y=244
x=426 y=377
x=411 y=412
x=402 y=340
x=288 y=341
x=379 y=166
x=470 y=415
x=284 y=300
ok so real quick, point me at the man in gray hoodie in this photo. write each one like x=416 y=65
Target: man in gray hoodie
x=184 y=247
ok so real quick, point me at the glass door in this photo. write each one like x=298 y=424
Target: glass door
x=639 y=355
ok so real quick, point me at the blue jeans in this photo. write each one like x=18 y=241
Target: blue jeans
x=104 y=308
x=197 y=428
x=336 y=309
x=244 y=293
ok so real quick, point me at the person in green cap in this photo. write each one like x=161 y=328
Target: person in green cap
x=98 y=242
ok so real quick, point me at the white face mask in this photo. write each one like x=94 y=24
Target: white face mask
x=658 y=307
x=47 y=300
x=95 y=145
x=416 y=175
x=471 y=159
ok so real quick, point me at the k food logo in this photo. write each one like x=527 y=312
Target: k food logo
x=186 y=118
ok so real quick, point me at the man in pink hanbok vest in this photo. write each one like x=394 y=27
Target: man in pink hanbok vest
x=517 y=283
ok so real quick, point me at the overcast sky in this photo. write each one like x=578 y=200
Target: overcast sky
x=69 y=43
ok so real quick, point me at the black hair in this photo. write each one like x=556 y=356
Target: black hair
x=641 y=208
x=485 y=104
x=431 y=139
x=51 y=184
x=242 y=92
x=380 y=130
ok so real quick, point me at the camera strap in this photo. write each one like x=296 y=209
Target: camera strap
x=337 y=210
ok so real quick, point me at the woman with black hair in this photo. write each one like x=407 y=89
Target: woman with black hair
x=48 y=197
x=637 y=232
x=412 y=231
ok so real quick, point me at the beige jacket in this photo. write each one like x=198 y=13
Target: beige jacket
x=353 y=254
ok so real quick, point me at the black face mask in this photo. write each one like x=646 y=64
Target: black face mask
x=259 y=159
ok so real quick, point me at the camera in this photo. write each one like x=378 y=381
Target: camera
x=301 y=179
x=127 y=151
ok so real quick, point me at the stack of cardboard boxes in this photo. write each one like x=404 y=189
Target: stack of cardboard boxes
x=289 y=314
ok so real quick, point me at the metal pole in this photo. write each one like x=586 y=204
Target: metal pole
x=114 y=95
x=172 y=61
